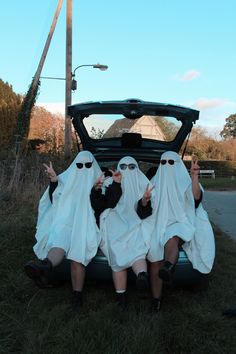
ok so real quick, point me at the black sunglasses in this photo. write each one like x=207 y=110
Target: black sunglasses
x=131 y=166
x=86 y=164
x=171 y=162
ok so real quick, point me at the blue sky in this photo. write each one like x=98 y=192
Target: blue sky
x=181 y=52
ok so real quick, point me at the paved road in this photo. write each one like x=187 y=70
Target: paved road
x=221 y=208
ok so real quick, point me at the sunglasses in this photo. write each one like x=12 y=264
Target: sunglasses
x=171 y=162
x=130 y=166
x=86 y=164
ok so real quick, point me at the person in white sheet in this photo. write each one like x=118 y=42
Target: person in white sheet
x=124 y=239
x=179 y=219
x=66 y=225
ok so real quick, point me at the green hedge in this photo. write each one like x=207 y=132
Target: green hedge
x=221 y=168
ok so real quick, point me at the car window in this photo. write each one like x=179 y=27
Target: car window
x=150 y=127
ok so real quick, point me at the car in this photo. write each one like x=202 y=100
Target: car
x=143 y=130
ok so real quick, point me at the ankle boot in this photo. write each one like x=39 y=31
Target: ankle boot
x=121 y=300
x=156 y=305
x=77 y=300
x=36 y=269
x=166 y=271
x=142 y=281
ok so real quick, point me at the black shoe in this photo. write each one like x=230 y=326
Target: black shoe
x=77 y=300
x=142 y=281
x=166 y=272
x=121 y=301
x=34 y=270
x=156 y=306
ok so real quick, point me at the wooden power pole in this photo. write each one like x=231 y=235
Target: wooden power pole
x=47 y=44
x=68 y=137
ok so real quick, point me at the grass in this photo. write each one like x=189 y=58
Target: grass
x=34 y=320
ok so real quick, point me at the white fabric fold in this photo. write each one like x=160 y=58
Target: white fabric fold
x=174 y=214
x=124 y=236
x=69 y=222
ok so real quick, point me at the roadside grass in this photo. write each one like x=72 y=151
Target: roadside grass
x=219 y=183
x=34 y=320
x=37 y=320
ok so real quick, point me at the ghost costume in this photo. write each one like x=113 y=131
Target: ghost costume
x=69 y=222
x=124 y=238
x=174 y=214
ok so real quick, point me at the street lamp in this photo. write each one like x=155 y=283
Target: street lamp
x=73 y=81
x=95 y=66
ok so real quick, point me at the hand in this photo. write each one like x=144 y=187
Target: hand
x=50 y=172
x=147 y=195
x=99 y=182
x=116 y=175
x=195 y=168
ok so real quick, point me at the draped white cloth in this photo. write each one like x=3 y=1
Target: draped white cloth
x=174 y=214
x=124 y=236
x=69 y=221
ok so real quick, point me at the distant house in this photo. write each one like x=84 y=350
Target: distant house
x=146 y=126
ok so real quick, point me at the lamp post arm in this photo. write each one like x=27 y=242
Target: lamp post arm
x=80 y=66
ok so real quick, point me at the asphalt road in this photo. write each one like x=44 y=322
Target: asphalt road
x=221 y=208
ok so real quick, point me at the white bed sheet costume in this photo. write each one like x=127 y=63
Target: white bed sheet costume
x=69 y=222
x=125 y=238
x=174 y=214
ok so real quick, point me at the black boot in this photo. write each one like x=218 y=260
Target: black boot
x=155 y=306
x=77 y=300
x=166 y=272
x=35 y=270
x=121 y=300
x=142 y=281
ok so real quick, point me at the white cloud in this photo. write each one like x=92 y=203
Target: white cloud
x=54 y=107
x=188 y=75
x=213 y=112
x=208 y=103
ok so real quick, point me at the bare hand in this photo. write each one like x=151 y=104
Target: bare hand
x=116 y=175
x=99 y=182
x=50 y=172
x=195 y=168
x=147 y=195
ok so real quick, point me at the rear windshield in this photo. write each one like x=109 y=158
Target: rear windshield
x=150 y=127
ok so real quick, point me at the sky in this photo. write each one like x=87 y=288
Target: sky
x=171 y=51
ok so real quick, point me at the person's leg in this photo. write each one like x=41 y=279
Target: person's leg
x=156 y=286
x=171 y=254
x=77 y=276
x=140 y=269
x=77 y=280
x=120 y=284
x=171 y=251
x=55 y=256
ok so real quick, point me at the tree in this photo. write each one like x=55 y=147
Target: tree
x=10 y=104
x=229 y=130
x=96 y=133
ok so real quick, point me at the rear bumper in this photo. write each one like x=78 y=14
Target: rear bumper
x=99 y=270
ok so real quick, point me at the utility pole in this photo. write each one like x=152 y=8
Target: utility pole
x=68 y=139
x=23 y=122
x=47 y=44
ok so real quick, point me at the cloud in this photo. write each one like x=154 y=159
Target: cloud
x=208 y=103
x=188 y=75
x=54 y=107
x=213 y=112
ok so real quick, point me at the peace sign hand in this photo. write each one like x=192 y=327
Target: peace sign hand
x=99 y=182
x=116 y=175
x=50 y=172
x=147 y=195
x=195 y=168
